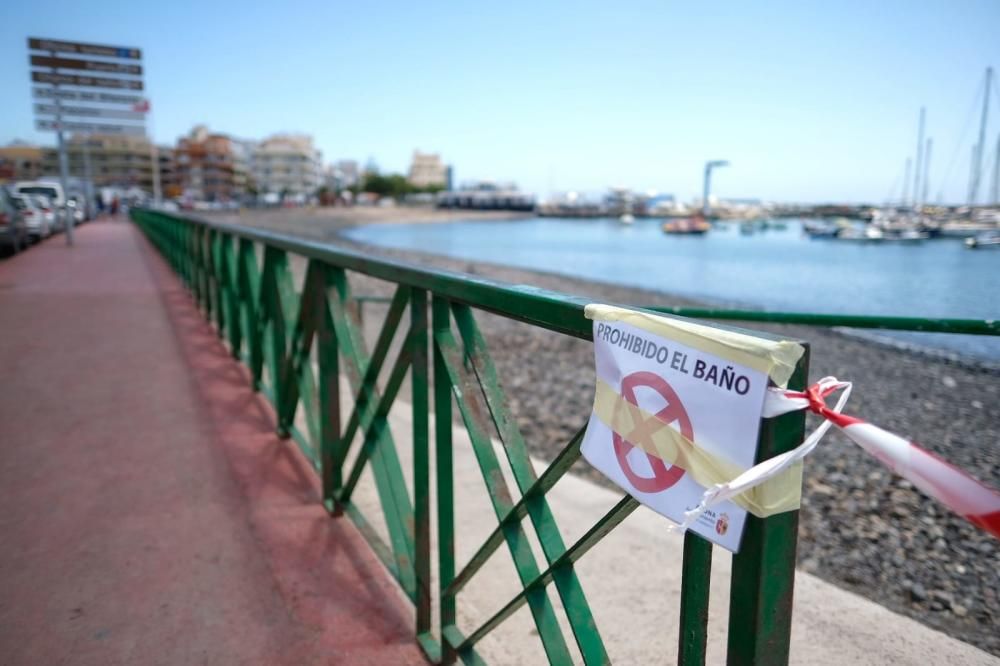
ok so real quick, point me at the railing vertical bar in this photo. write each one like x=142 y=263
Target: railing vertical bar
x=216 y=278
x=232 y=297
x=249 y=285
x=206 y=267
x=297 y=380
x=329 y=391
x=763 y=573
x=696 y=576
x=420 y=404
x=441 y=321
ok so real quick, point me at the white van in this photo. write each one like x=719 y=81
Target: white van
x=51 y=191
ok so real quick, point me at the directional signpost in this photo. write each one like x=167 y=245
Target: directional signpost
x=86 y=88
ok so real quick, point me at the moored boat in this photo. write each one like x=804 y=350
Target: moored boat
x=873 y=234
x=966 y=229
x=687 y=225
x=989 y=239
x=820 y=229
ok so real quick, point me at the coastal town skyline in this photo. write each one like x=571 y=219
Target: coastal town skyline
x=586 y=122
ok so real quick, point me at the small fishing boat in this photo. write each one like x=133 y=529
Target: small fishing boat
x=990 y=239
x=627 y=218
x=688 y=225
x=820 y=230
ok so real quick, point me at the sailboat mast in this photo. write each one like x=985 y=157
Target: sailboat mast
x=906 y=184
x=918 y=172
x=996 y=173
x=981 y=145
x=927 y=170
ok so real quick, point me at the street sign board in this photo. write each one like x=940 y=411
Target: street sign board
x=89 y=128
x=88 y=65
x=103 y=50
x=88 y=81
x=90 y=111
x=86 y=96
x=89 y=71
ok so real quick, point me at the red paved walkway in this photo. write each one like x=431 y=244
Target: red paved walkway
x=147 y=513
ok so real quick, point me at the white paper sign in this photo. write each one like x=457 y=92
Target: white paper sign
x=686 y=389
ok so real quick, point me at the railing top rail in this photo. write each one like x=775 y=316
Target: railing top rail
x=556 y=311
x=920 y=324
x=563 y=312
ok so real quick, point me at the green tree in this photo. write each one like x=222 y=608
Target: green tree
x=387 y=185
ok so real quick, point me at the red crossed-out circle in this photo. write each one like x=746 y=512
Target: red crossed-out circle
x=662 y=478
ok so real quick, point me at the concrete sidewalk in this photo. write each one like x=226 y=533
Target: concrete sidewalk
x=632 y=580
x=149 y=514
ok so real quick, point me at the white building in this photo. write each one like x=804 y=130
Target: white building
x=343 y=174
x=287 y=165
x=244 y=153
x=427 y=170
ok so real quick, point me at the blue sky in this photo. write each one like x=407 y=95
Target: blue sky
x=810 y=101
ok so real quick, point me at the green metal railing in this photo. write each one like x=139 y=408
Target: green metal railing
x=298 y=344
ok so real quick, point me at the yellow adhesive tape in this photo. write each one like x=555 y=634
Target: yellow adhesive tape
x=776 y=358
x=643 y=430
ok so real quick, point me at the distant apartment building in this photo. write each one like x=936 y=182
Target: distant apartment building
x=427 y=170
x=207 y=167
x=20 y=161
x=113 y=160
x=287 y=165
x=343 y=174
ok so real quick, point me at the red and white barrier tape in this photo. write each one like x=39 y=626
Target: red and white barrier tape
x=960 y=492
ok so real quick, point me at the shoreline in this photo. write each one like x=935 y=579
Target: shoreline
x=860 y=527
x=870 y=335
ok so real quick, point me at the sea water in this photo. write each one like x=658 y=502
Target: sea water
x=774 y=269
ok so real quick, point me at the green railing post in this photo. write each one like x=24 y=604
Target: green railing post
x=696 y=578
x=420 y=405
x=763 y=574
x=231 y=295
x=217 y=273
x=248 y=284
x=331 y=463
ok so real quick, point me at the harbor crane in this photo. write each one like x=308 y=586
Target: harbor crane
x=711 y=164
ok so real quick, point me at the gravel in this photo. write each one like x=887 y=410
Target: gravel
x=861 y=527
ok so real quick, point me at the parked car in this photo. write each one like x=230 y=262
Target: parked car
x=35 y=220
x=13 y=233
x=50 y=214
x=51 y=191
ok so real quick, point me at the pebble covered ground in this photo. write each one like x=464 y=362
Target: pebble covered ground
x=861 y=527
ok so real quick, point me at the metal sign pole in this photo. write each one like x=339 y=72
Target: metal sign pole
x=88 y=184
x=155 y=153
x=63 y=163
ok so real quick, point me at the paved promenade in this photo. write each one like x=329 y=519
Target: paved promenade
x=149 y=514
